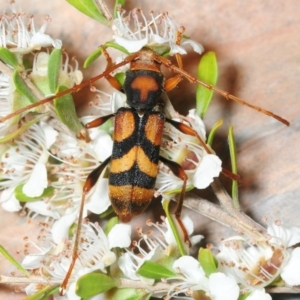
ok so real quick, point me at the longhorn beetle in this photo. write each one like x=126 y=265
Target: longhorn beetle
x=137 y=135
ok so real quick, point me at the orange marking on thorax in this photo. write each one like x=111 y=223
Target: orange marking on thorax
x=144 y=84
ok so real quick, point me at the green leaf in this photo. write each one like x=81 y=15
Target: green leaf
x=150 y=269
x=8 y=57
x=92 y=57
x=93 y=284
x=117 y=4
x=107 y=213
x=126 y=294
x=112 y=44
x=233 y=158
x=207 y=261
x=244 y=296
x=207 y=72
x=65 y=110
x=44 y=293
x=110 y=224
x=89 y=8
x=211 y=136
x=174 y=228
x=6 y=254
x=20 y=130
x=24 y=198
x=23 y=88
x=54 y=65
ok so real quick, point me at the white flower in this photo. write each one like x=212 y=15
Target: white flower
x=186 y=150
x=73 y=160
x=53 y=260
x=160 y=243
x=189 y=227
x=217 y=286
x=253 y=266
x=287 y=237
x=18 y=32
x=134 y=32
x=24 y=162
x=259 y=294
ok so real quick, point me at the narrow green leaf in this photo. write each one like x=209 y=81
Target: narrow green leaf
x=110 y=224
x=107 y=213
x=207 y=261
x=20 y=130
x=8 y=57
x=65 y=110
x=207 y=72
x=98 y=52
x=112 y=44
x=92 y=57
x=44 y=293
x=51 y=290
x=233 y=158
x=93 y=284
x=150 y=269
x=244 y=296
x=89 y=8
x=126 y=294
x=54 y=65
x=117 y=4
x=211 y=136
x=174 y=228
x=22 y=87
x=6 y=254
x=24 y=198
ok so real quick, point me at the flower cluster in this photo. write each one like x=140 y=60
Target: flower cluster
x=134 y=31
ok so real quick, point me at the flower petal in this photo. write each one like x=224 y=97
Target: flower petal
x=98 y=202
x=222 y=287
x=131 y=45
x=197 y=123
x=290 y=273
x=288 y=236
x=9 y=201
x=49 y=133
x=61 y=227
x=37 y=181
x=209 y=168
x=33 y=261
x=120 y=236
x=42 y=208
x=101 y=143
x=196 y=46
x=190 y=268
x=259 y=295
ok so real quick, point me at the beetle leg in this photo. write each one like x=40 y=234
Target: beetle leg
x=190 y=131
x=111 y=80
x=89 y=184
x=172 y=82
x=179 y=172
x=99 y=121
